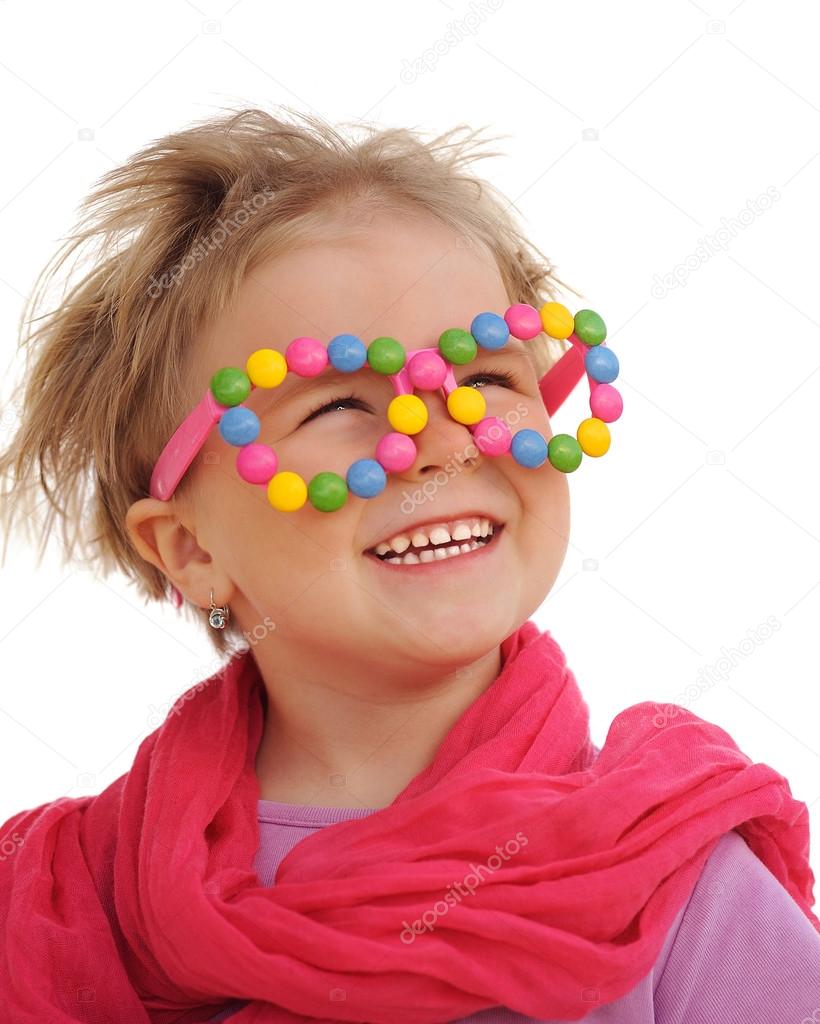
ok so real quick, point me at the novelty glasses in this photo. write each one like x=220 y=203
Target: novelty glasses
x=411 y=370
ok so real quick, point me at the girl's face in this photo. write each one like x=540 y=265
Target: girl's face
x=309 y=571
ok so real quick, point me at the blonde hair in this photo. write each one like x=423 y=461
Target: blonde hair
x=105 y=377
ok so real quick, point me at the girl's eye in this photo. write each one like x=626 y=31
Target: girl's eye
x=333 y=404
x=501 y=377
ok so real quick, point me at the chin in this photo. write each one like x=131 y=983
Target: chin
x=464 y=634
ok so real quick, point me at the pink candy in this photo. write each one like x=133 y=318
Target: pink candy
x=256 y=463
x=306 y=356
x=605 y=402
x=427 y=371
x=396 y=452
x=524 y=321
x=492 y=436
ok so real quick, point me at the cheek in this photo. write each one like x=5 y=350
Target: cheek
x=330 y=443
x=321 y=446
x=274 y=554
x=544 y=494
x=543 y=491
x=543 y=534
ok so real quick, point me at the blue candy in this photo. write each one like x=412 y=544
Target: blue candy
x=528 y=448
x=366 y=478
x=347 y=353
x=239 y=426
x=601 y=364
x=490 y=330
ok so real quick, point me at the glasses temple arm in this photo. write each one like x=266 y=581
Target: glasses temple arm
x=184 y=445
x=561 y=378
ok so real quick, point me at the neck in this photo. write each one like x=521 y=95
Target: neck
x=328 y=747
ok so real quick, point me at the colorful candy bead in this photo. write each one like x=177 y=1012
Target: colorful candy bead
x=490 y=330
x=287 y=491
x=407 y=414
x=257 y=463
x=347 y=353
x=386 y=355
x=523 y=320
x=306 y=356
x=565 y=453
x=557 y=320
x=366 y=477
x=605 y=402
x=466 y=405
x=528 y=448
x=601 y=364
x=230 y=385
x=327 y=492
x=593 y=437
x=492 y=436
x=589 y=327
x=396 y=452
x=239 y=426
x=266 y=368
x=427 y=371
x=457 y=346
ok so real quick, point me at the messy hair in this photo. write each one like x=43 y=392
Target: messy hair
x=105 y=382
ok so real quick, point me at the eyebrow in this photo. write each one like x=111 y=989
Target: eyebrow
x=300 y=385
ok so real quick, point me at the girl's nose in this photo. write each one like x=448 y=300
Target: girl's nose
x=441 y=441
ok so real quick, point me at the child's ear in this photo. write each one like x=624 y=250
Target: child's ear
x=161 y=538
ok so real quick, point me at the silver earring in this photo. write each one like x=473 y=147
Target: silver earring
x=218 y=616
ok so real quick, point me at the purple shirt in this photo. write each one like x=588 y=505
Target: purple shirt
x=740 y=949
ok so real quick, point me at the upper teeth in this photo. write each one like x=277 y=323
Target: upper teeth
x=440 y=533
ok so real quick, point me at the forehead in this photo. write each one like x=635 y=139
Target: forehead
x=409 y=277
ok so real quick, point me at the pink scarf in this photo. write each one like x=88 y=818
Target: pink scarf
x=547 y=871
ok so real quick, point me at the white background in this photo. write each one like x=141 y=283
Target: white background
x=640 y=138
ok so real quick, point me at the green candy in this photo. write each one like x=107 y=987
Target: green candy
x=589 y=327
x=457 y=346
x=230 y=385
x=386 y=355
x=564 y=452
x=327 y=492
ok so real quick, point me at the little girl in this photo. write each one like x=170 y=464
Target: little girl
x=386 y=805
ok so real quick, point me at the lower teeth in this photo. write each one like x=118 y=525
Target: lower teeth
x=438 y=554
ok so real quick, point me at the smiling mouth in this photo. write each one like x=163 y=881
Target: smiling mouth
x=432 y=554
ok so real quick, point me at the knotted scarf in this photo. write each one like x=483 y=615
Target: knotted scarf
x=521 y=868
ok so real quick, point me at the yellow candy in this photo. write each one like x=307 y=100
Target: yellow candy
x=266 y=368
x=466 y=405
x=407 y=414
x=287 y=492
x=557 y=320
x=593 y=436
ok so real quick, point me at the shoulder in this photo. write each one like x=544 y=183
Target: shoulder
x=736 y=882
x=742 y=948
